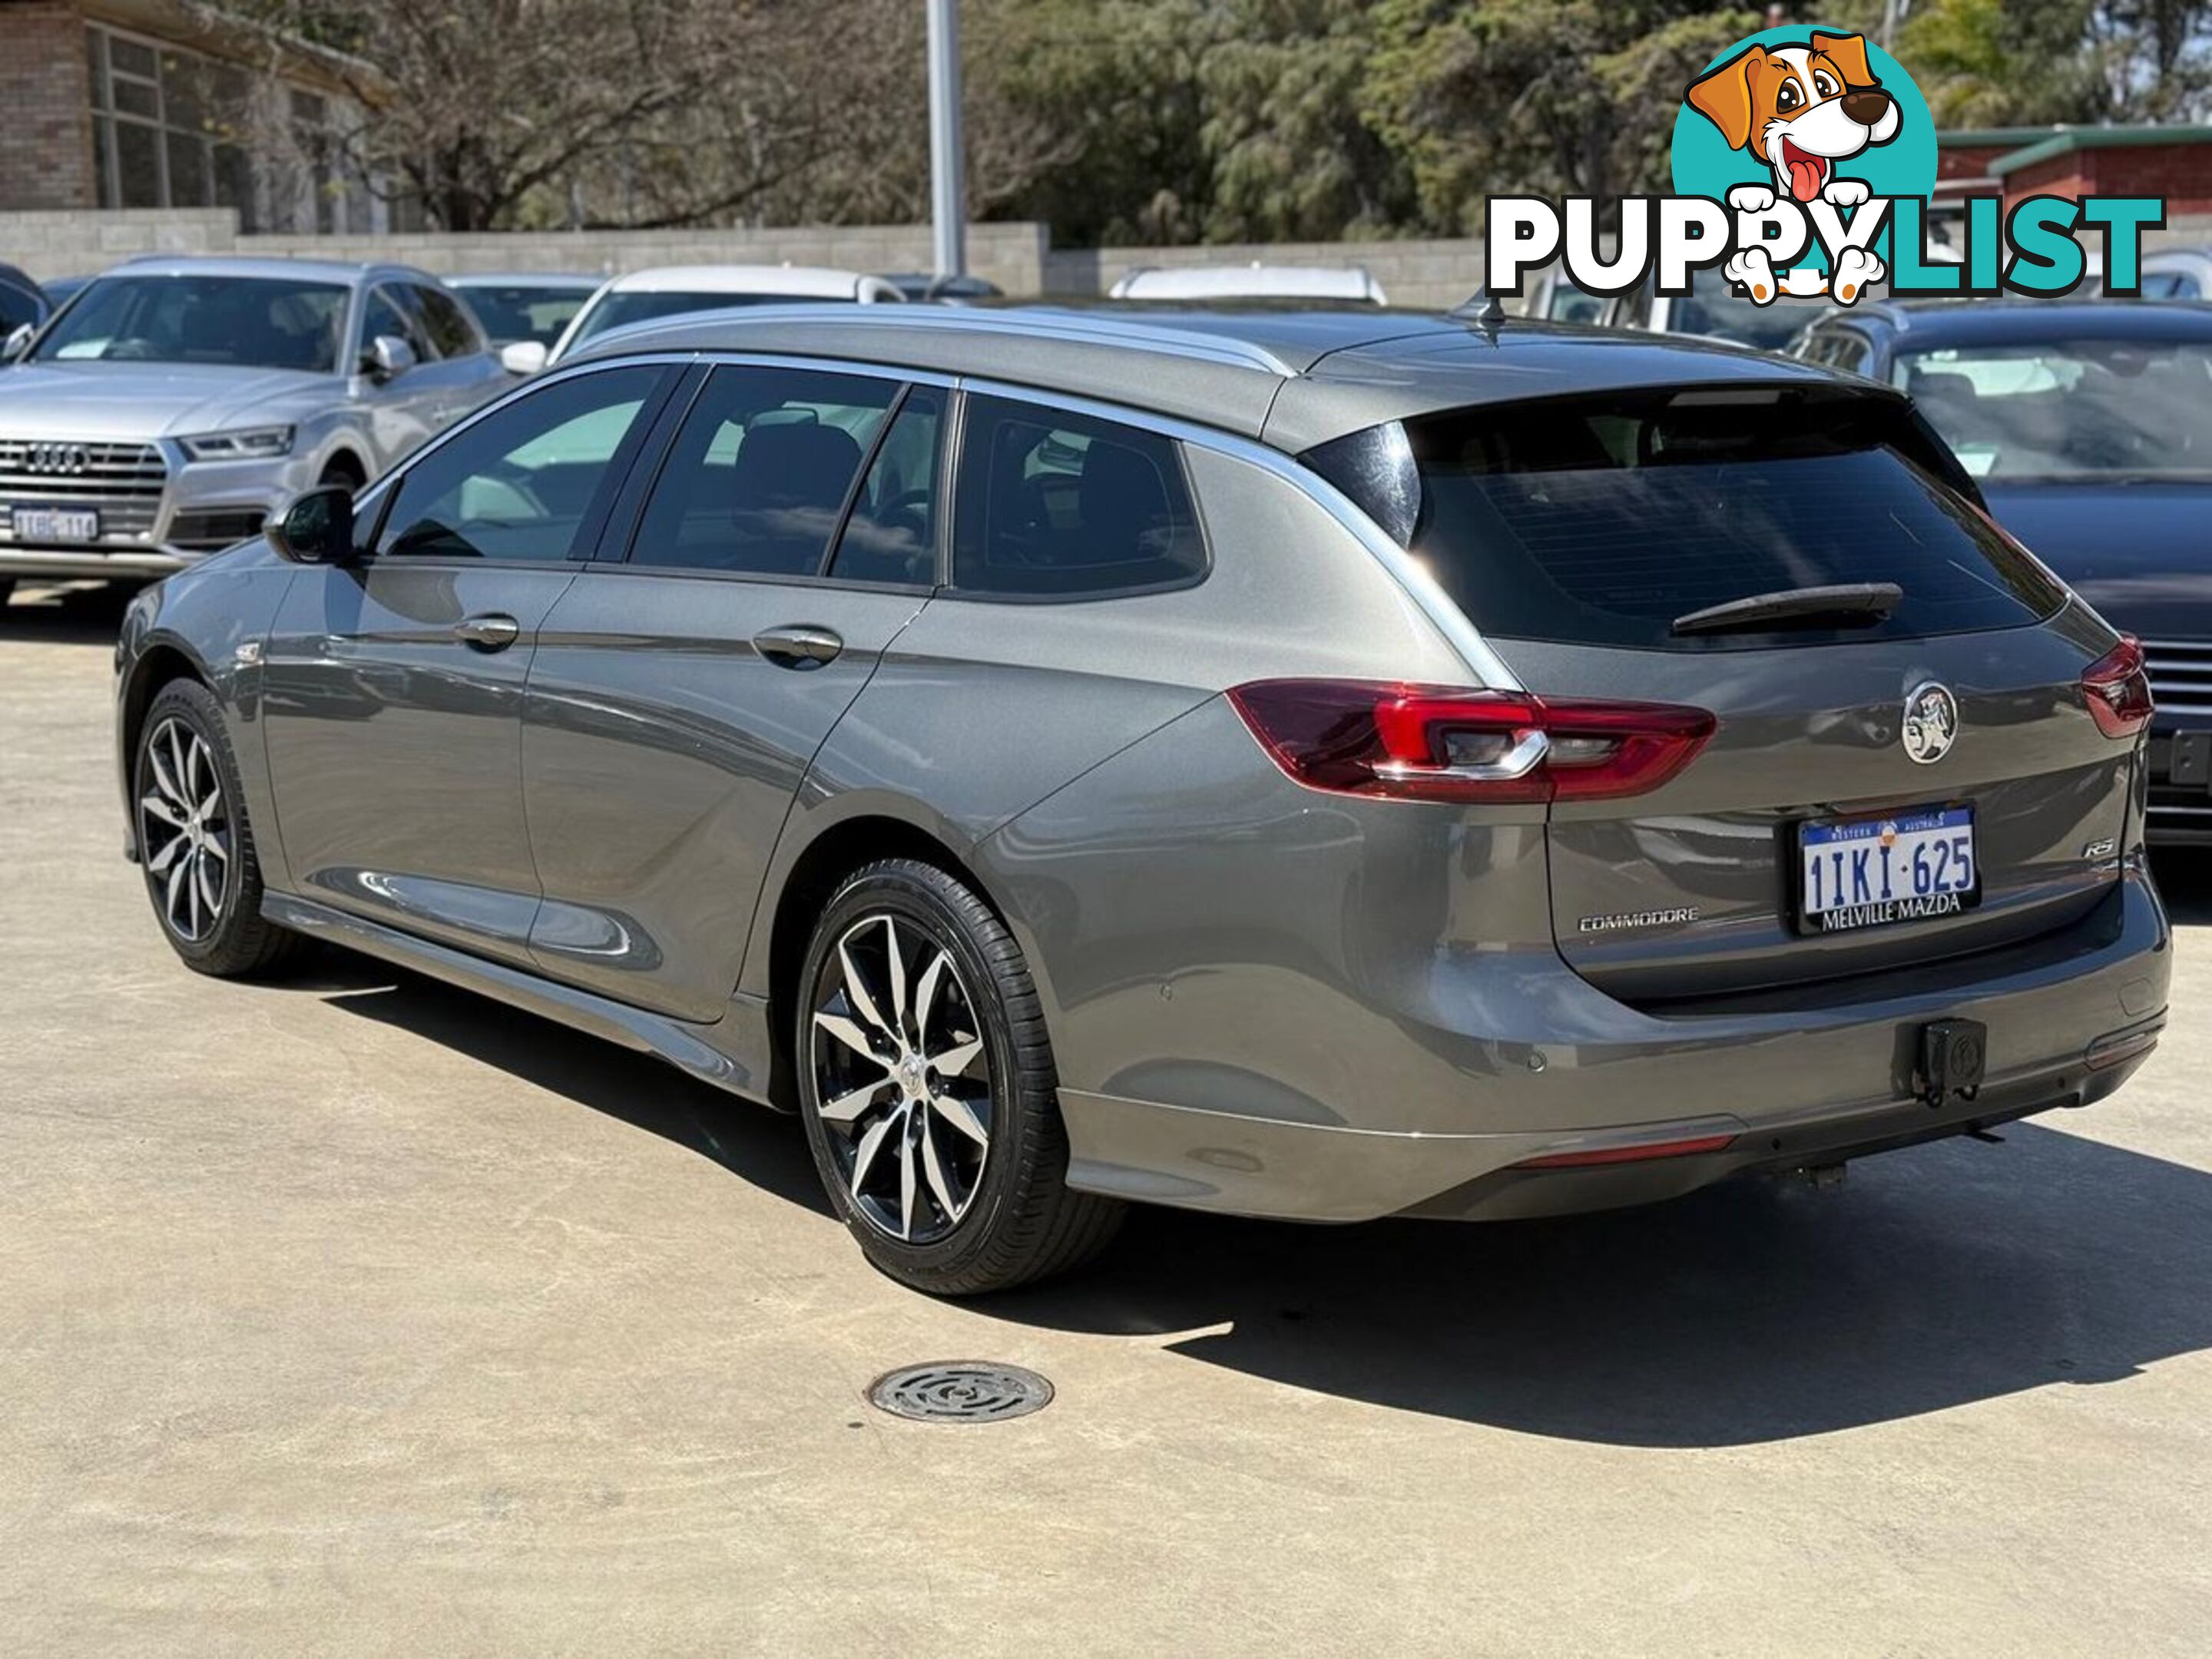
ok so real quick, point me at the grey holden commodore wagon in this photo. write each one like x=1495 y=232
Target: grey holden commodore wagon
x=1310 y=765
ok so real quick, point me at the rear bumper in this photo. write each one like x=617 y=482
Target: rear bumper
x=1788 y=1092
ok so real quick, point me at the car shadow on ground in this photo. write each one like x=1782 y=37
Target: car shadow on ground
x=81 y=614
x=1752 y=1312
x=766 y=1149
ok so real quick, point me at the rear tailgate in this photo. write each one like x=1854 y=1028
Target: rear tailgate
x=1905 y=763
x=1694 y=890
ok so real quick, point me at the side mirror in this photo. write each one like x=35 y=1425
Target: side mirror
x=387 y=358
x=523 y=356
x=317 y=528
x=19 y=341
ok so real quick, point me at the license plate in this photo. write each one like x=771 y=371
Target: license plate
x=55 y=524
x=1863 y=872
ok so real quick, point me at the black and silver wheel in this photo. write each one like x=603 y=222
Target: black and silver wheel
x=194 y=845
x=928 y=1091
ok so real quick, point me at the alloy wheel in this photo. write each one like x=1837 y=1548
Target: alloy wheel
x=184 y=830
x=903 y=1080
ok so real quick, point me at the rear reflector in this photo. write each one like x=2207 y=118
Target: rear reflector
x=2110 y=1050
x=1629 y=1154
x=2117 y=689
x=1438 y=743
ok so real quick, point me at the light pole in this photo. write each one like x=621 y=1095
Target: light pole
x=947 y=184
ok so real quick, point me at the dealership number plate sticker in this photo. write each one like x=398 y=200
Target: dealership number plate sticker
x=55 y=524
x=1862 y=872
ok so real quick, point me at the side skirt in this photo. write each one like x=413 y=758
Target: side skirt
x=681 y=1043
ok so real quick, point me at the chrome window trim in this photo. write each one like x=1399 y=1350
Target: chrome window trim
x=1412 y=578
x=1411 y=575
x=813 y=363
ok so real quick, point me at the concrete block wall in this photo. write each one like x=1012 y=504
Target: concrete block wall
x=1009 y=255
x=75 y=242
x=1019 y=258
x=1412 y=271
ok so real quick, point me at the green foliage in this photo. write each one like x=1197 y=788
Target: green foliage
x=2003 y=62
x=1536 y=96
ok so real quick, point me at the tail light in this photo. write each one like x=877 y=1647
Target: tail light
x=1436 y=744
x=2117 y=689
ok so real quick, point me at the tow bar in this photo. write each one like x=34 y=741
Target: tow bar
x=1952 y=1053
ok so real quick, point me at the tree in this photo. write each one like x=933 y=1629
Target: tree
x=2004 y=63
x=1571 y=97
x=472 y=111
x=2161 y=61
x=1289 y=154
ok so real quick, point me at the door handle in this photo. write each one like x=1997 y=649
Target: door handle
x=799 y=647
x=490 y=632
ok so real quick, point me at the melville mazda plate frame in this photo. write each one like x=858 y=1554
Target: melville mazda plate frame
x=1947 y=818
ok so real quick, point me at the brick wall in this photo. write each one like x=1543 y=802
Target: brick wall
x=2181 y=174
x=45 y=155
x=1967 y=160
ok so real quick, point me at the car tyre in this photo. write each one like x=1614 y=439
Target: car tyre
x=928 y=1091
x=195 y=845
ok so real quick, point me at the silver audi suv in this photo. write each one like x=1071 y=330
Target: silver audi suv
x=1305 y=764
x=173 y=404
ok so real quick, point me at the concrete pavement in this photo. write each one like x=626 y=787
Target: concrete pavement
x=358 y=1315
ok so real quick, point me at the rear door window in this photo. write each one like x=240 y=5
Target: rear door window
x=1057 y=505
x=1600 y=521
x=760 y=474
x=890 y=536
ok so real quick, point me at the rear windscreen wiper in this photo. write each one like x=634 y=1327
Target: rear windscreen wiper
x=1847 y=605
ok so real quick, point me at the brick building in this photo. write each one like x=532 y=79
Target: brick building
x=2174 y=162
x=165 y=104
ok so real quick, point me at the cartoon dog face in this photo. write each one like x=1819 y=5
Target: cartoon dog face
x=1800 y=109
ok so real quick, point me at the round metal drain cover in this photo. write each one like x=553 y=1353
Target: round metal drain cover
x=960 y=1391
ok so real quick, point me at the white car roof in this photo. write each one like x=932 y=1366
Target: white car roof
x=1252 y=281
x=800 y=282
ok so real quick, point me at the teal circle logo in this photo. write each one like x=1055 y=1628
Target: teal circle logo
x=1799 y=110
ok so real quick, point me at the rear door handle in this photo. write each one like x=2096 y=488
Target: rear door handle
x=799 y=646
x=492 y=631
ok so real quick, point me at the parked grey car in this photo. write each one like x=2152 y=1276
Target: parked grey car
x=173 y=404
x=1326 y=766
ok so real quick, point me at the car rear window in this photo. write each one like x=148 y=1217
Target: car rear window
x=1599 y=521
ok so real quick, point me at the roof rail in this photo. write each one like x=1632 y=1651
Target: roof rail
x=1103 y=328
